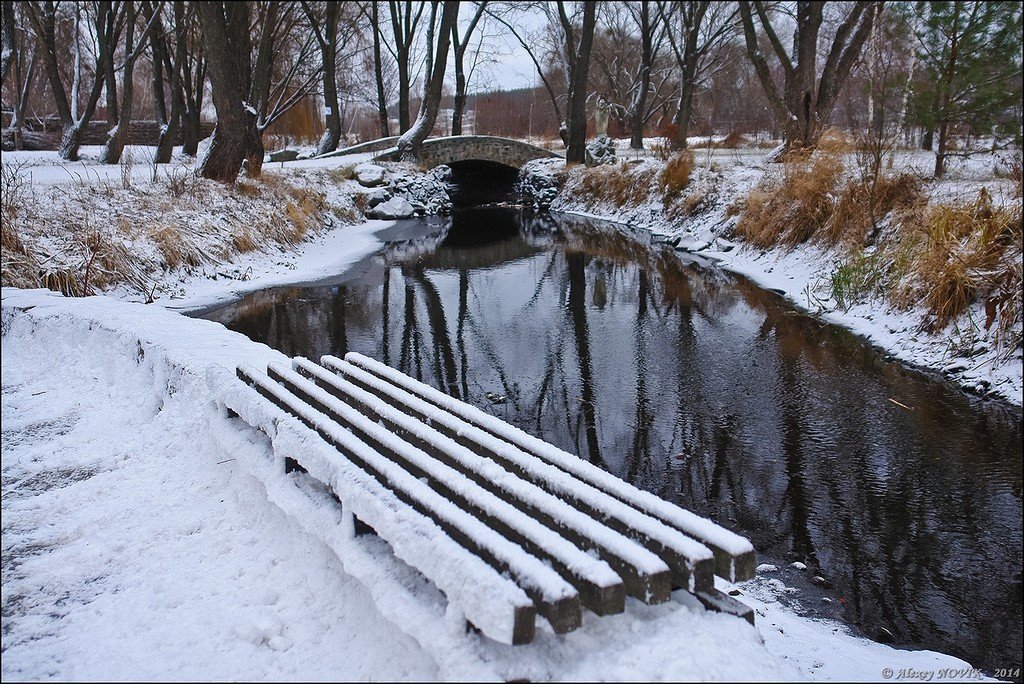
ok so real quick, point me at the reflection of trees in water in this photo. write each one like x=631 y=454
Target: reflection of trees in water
x=701 y=388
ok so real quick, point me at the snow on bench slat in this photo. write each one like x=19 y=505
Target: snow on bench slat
x=646 y=571
x=493 y=603
x=734 y=555
x=556 y=598
x=690 y=561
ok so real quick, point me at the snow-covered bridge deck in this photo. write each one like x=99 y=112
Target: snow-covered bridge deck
x=460 y=148
x=504 y=524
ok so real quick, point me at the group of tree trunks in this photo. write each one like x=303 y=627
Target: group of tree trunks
x=258 y=57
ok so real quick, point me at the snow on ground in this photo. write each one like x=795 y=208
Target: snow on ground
x=140 y=542
x=802 y=274
x=180 y=241
x=141 y=538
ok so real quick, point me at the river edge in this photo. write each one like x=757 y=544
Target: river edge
x=306 y=264
x=962 y=353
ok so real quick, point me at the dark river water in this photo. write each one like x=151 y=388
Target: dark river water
x=899 y=490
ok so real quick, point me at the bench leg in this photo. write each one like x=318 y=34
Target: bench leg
x=723 y=603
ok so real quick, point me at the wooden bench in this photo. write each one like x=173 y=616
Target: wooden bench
x=504 y=524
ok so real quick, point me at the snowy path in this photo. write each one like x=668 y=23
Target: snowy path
x=128 y=552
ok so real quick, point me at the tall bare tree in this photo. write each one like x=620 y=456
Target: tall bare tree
x=227 y=42
x=696 y=31
x=323 y=21
x=246 y=95
x=461 y=44
x=805 y=101
x=436 y=63
x=405 y=19
x=650 y=29
x=378 y=69
x=118 y=134
x=574 y=28
x=108 y=20
x=8 y=39
x=23 y=59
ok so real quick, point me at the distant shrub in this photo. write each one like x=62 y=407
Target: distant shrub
x=675 y=176
x=789 y=209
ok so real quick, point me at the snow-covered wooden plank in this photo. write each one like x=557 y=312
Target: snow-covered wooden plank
x=492 y=602
x=734 y=555
x=646 y=576
x=556 y=599
x=690 y=562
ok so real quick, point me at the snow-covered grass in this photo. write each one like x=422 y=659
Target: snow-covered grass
x=170 y=236
x=148 y=536
x=808 y=238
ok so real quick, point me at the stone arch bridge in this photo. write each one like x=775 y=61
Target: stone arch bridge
x=474 y=148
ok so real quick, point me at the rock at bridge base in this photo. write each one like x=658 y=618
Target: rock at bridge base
x=369 y=175
x=394 y=208
x=378 y=196
x=600 y=151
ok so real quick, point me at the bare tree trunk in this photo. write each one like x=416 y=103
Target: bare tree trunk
x=940 y=153
x=8 y=39
x=119 y=136
x=43 y=17
x=14 y=42
x=409 y=143
x=382 y=105
x=328 y=40
x=682 y=117
x=576 y=113
x=638 y=106
x=806 y=99
x=169 y=123
x=227 y=44
x=70 y=139
x=459 y=100
x=191 y=132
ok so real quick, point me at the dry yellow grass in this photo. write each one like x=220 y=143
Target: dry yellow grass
x=73 y=231
x=788 y=210
x=675 y=176
x=850 y=223
x=962 y=253
x=617 y=183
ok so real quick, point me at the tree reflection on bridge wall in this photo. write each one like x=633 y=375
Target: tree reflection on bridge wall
x=707 y=391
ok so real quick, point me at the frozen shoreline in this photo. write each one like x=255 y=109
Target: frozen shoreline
x=800 y=274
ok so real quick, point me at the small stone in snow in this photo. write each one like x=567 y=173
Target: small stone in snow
x=279 y=643
x=766 y=567
x=798 y=565
x=394 y=208
x=369 y=175
x=284 y=155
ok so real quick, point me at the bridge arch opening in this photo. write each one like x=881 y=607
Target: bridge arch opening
x=477 y=181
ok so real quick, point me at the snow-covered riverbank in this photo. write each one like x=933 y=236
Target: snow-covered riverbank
x=136 y=547
x=966 y=351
